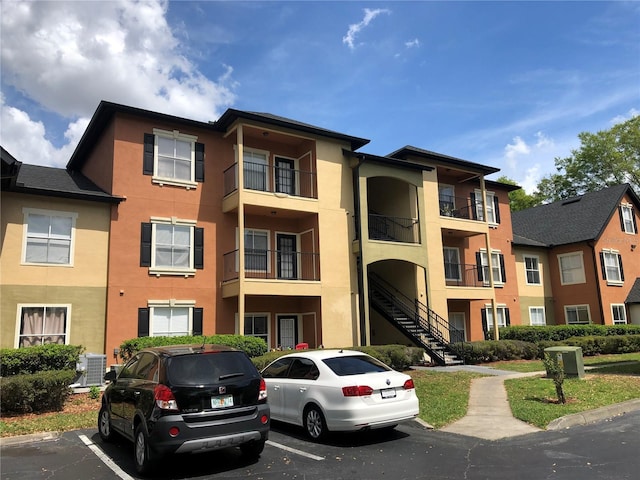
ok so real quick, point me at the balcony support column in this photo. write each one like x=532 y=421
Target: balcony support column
x=494 y=310
x=241 y=271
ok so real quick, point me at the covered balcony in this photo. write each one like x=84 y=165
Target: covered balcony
x=283 y=264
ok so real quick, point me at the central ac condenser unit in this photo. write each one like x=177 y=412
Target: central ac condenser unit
x=92 y=367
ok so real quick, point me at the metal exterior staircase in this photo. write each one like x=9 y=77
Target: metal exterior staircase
x=415 y=320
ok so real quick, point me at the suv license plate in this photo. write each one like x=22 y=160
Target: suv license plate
x=388 y=393
x=222 y=401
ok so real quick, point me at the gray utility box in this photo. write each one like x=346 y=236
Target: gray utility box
x=570 y=358
x=92 y=368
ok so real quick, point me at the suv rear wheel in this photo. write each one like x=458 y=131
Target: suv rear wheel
x=141 y=451
x=104 y=424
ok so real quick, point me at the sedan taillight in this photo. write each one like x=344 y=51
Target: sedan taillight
x=357 y=391
x=408 y=385
x=164 y=398
x=262 y=395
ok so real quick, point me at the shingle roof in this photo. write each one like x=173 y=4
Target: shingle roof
x=410 y=151
x=576 y=219
x=58 y=182
x=634 y=293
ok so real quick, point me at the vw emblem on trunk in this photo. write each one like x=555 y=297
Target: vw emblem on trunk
x=388 y=382
x=222 y=390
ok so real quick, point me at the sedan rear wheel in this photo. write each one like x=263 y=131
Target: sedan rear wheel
x=314 y=422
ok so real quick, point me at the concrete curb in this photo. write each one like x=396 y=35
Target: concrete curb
x=598 y=414
x=32 y=437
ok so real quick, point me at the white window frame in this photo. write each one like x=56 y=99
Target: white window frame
x=627 y=218
x=491 y=213
x=252 y=316
x=578 y=271
x=501 y=310
x=460 y=317
x=495 y=266
x=268 y=250
x=171 y=304
x=610 y=254
x=532 y=270
x=535 y=312
x=27 y=212
x=577 y=308
x=443 y=188
x=67 y=327
x=176 y=136
x=621 y=308
x=249 y=152
x=457 y=258
x=167 y=270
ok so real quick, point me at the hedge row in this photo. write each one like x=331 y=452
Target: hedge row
x=37 y=392
x=398 y=357
x=559 y=333
x=40 y=358
x=253 y=346
x=598 y=345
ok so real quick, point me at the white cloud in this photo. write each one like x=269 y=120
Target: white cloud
x=67 y=56
x=514 y=150
x=528 y=162
x=634 y=112
x=412 y=43
x=355 y=28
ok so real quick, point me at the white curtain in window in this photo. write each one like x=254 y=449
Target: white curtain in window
x=42 y=325
x=170 y=322
x=48 y=239
x=173 y=246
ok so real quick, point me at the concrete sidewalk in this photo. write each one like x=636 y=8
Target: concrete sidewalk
x=489 y=414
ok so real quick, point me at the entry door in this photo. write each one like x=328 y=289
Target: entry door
x=287 y=332
x=287 y=256
x=456 y=320
x=285 y=176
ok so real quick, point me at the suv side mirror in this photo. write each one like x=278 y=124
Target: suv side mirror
x=110 y=376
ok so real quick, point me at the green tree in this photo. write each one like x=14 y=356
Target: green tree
x=605 y=158
x=519 y=199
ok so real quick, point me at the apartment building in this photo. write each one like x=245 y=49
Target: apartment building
x=583 y=252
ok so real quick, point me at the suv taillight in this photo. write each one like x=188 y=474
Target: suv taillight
x=164 y=398
x=262 y=395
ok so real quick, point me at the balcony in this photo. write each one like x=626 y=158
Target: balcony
x=394 y=229
x=465 y=275
x=273 y=265
x=458 y=207
x=280 y=180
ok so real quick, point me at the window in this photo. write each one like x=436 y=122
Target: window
x=497 y=267
x=170 y=318
x=571 y=268
x=493 y=211
x=619 y=313
x=532 y=270
x=48 y=237
x=611 y=263
x=256 y=166
x=452 y=264
x=577 y=314
x=256 y=246
x=257 y=326
x=173 y=158
x=42 y=324
x=627 y=219
x=447 y=200
x=503 y=316
x=172 y=246
x=536 y=316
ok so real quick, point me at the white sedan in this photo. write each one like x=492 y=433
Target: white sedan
x=338 y=390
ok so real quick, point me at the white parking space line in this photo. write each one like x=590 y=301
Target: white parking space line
x=105 y=459
x=294 y=450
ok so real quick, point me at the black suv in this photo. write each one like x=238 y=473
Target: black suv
x=186 y=398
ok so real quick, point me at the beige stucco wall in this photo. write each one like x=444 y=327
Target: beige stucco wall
x=534 y=295
x=82 y=286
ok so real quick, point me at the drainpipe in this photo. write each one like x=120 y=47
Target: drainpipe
x=594 y=255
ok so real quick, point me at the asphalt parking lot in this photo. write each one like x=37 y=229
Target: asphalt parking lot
x=604 y=450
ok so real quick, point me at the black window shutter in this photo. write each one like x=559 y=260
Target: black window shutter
x=197 y=321
x=621 y=270
x=496 y=208
x=143 y=322
x=198 y=247
x=507 y=317
x=479 y=266
x=145 y=245
x=602 y=265
x=474 y=208
x=199 y=162
x=635 y=225
x=621 y=215
x=147 y=161
x=485 y=326
x=502 y=269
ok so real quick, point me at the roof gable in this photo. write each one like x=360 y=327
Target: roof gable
x=572 y=220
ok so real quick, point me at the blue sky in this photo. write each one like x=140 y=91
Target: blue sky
x=506 y=84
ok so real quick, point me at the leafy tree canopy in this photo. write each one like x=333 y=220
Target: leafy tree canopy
x=519 y=199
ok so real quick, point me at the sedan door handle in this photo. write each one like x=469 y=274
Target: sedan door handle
x=303 y=389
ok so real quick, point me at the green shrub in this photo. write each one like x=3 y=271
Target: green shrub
x=40 y=358
x=494 y=350
x=253 y=346
x=597 y=345
x=38 y=392
x=559 y=333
